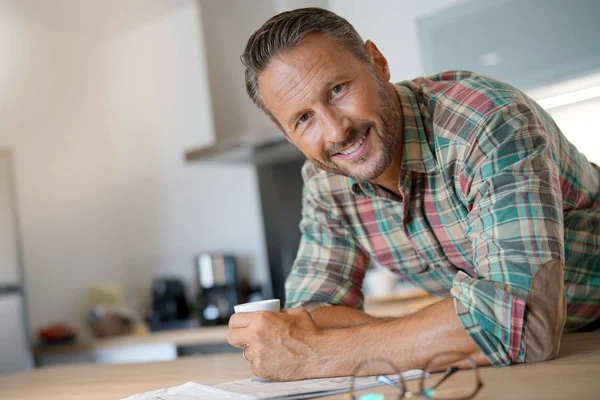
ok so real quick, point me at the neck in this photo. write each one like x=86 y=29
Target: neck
x=389 y=178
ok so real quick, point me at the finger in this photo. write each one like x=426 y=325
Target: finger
x=240 y=320
x=250 y=353
x=238 y=338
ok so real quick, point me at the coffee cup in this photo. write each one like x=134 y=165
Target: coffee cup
x=263 y=305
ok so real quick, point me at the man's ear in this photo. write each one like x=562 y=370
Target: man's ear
x=378 y=60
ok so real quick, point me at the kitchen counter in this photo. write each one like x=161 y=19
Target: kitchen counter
x=179 y=338
x=167 y=345
x=574 y=374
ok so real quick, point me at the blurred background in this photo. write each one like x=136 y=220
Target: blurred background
x=142 y=194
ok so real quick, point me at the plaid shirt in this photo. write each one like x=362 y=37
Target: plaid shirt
x=491 y=193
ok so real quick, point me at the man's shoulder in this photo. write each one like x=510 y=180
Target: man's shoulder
x=460 y=102
x=465 y=87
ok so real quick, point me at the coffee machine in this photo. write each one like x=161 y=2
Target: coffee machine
x=219 y=288
x=170 y=309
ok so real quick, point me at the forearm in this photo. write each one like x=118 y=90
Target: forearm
x=334 y=317
x=409 y=342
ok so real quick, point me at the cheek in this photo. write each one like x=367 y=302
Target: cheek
x=311 y=143
x=315 y=146
x=360 y=104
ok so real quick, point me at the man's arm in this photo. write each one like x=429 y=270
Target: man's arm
x=409 y=341
x=290 y=346
x=330 y=266
x=513 y=303
x=334 y=317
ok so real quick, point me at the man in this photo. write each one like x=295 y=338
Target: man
x=459 y=183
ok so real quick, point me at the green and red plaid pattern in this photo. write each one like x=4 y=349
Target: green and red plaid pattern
x=491 y=191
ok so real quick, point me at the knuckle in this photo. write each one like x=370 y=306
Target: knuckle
x=263 y=316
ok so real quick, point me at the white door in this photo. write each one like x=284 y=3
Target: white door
x=14 y=347
x=9 y=256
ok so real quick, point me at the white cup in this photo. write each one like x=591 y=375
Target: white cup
x=263 y=305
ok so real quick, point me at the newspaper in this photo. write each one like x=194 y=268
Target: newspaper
x=262 y=389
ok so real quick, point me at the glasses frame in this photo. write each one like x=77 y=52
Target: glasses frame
x=422 y=391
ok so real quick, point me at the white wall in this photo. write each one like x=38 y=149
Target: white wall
x=98 y=122
x=160 y=105
x=61 y=163
x=391 y=25
x=580 y=122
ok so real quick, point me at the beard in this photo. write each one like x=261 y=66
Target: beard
x=389 y=131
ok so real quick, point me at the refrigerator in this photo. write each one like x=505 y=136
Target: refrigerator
x=15 y=346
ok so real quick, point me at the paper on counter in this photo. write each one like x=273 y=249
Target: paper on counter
x=191 y=391
x=261 y=389
x=305 y=389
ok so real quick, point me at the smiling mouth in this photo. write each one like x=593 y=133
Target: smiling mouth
x=355 y=146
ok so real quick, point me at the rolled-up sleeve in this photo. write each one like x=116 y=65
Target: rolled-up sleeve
x=513 y=306
x=330 y=266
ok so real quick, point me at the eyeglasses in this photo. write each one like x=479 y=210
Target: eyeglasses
x=447 y=376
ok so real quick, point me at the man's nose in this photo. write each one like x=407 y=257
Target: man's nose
x=335 y=125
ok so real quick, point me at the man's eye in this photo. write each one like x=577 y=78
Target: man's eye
x=303 y=118
x=337 y=89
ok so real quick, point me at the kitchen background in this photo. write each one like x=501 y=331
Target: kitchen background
x=132 y=148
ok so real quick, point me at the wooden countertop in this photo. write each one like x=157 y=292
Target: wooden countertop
x=574 y=374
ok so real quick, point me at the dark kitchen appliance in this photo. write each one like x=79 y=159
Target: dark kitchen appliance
x=170 y=309
x=219 y=288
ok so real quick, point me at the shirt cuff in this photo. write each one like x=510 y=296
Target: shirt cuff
x=492 y=316
x=310 y=306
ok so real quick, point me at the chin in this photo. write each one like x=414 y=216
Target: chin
x=368 y=169
x=365 y=169
x=364 y=174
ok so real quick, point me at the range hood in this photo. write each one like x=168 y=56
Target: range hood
x=257 y=149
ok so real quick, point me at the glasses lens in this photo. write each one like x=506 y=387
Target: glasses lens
x=377 y=380
x=450 y=376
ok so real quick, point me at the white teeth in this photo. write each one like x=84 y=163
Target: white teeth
x=355 y=146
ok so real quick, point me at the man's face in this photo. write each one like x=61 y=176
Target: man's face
x=335 y=108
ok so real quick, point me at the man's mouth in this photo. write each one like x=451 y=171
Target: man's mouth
x=356 y=148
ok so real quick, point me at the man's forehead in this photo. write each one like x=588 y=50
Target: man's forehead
x=286 y=72
x=316 y=59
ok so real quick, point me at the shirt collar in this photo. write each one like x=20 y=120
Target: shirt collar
x=417 y=155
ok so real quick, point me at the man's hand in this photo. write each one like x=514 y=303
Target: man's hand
x=290 y=346
x=281 y=346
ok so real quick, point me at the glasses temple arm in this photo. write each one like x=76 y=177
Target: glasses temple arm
x=449 y=372
x=387 y=381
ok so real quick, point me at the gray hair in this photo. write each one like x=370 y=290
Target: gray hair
x=285 y=31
